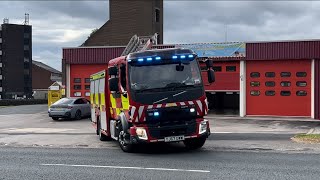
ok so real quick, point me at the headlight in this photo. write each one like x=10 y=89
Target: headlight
x=142 y=133
x=192 y=110
x=203 y=126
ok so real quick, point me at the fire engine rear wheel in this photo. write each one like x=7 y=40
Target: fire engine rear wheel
x=102 y=136
x=122 y=139
x=194 y=143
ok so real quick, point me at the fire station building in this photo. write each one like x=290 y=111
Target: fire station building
x=259 y=78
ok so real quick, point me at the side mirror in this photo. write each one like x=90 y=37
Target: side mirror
x=211 y=76
x=209 y=64
x=113 y=71
x=113 y=84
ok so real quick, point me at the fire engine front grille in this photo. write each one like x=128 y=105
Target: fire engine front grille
x=166 y=131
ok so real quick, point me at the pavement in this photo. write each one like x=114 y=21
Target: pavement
x=30 y=126
x=86 y=163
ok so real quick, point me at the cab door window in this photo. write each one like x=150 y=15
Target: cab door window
x=123 y=77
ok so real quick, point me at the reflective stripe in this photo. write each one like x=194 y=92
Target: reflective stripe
x=200 y=105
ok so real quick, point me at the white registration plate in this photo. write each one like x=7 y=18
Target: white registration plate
x=173 y=138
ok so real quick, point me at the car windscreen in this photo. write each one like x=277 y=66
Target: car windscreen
x=165 y=75
x=64 y=101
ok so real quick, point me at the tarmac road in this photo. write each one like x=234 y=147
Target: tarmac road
x=51 y=163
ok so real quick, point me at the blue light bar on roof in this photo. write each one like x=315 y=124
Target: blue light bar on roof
x=140 y=59
x=149 y=59
x=182 y=56
x=174 y=57
x=158 y=58
x=190 y=56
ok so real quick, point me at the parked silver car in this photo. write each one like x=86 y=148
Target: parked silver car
x=72 y=108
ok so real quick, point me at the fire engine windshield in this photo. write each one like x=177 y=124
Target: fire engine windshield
x=164 y=76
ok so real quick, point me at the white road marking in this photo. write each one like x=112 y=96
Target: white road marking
x=124 y=167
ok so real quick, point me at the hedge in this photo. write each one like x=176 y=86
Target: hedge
x=16 y=102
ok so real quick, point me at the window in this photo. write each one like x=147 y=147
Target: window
x=26 y=47
x=157 y=15
x=301 y=93
x=26 y=41
x=80 y=101
x=77 y=80
x=77 y=87
x=0 y=83
x=255 y=83
x=285 y=74
x=203 y=68
x=270 y=74
x=270 y=93
x=26 y=35
x=77 y=94
x=270 y=83
x=87 y=80
x=87 y=87
x=254 y=74
x=301 y=83
x=301 y=74
x=0 y=71
x=158 y=39
x=217 y=68
x=285 y=93
x=123 y=77
x=254 y=93
x=231 y=68
x=87 y=94
x=26 y=54
x=26 y=65
x=285 y=83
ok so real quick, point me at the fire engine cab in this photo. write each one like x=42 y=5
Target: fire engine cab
x=151 y=96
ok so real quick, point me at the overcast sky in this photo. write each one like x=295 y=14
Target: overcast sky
x=68 y=23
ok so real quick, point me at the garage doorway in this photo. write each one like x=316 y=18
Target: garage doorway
x=223 y=103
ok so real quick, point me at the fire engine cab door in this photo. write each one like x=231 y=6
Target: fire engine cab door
x=103 y=114
x=123 y=83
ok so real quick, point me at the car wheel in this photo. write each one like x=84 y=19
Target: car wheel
x=55 y=118
x=77 y=116
x=122 y=141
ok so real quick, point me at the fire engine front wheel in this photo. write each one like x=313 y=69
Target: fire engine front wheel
x=194 y=143
x=123 y=141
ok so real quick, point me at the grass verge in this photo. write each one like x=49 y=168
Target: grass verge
x=307 y=138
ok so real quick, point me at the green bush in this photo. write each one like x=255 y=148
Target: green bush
x=16 y=102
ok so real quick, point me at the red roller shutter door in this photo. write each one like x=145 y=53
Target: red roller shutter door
x=227 y=76
x=81 y=72
x=278 y=88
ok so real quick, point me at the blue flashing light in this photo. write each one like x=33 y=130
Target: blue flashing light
x=129 y=60
x=158 y=58
x=174 y=57
x=156 y=114
x=190 y=56
x=140 y=59
x=182 y=56
x=149 y=59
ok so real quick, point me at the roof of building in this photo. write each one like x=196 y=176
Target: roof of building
x=46 y=67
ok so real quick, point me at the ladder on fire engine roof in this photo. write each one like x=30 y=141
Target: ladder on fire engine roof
x=140 y=43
